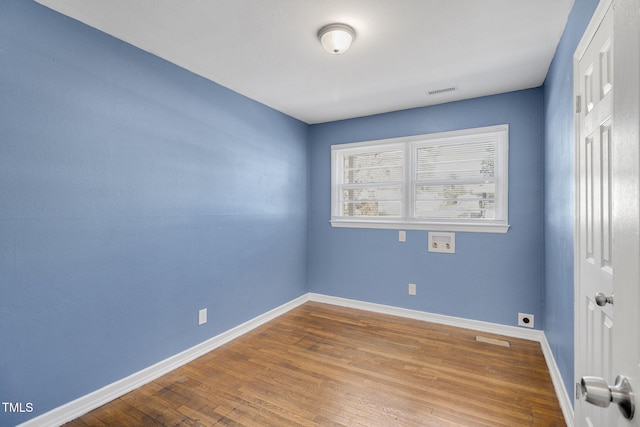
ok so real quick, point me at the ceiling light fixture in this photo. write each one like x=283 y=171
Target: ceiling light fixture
x=336 y=38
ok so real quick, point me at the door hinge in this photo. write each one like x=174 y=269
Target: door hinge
x=578 y=104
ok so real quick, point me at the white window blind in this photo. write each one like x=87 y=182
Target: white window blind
x=372 y=182
x=455 y=181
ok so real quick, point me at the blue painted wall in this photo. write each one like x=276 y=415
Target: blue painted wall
x=491 y=277
x=559 y=197
x=132 y=194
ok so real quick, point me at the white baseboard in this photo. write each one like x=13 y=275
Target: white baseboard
x=566 y=403
x=494 y=328
x=84 y=404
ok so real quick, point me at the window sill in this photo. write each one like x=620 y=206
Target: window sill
x=410 y=225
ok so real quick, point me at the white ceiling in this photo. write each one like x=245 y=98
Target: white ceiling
x=268 y=50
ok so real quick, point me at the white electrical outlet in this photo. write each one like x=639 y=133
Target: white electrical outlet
x=402 y=236
x=412 y=288
x=202 y=316
x=525 y=320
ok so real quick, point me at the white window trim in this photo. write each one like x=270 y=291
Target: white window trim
x=407 y=223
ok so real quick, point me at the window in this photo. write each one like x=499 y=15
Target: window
x=453 y=181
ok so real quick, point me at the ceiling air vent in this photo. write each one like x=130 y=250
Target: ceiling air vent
x=442 y=90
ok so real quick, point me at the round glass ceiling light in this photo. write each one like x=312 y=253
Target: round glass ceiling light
x=336 y=38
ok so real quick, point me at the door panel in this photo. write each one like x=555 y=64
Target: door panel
x=595 y=324
x=625 y=152
x=607 y=190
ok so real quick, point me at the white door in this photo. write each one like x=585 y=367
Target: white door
x=607 y=252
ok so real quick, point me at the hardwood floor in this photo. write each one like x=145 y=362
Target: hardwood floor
x=322 y=365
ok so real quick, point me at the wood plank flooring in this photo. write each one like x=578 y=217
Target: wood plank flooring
x=323 y=365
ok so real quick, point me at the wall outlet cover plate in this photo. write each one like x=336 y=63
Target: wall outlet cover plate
x=525 y=320
x=202 y=316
